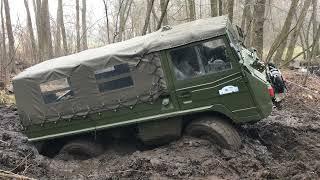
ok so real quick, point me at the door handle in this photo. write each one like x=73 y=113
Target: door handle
x=185 y=95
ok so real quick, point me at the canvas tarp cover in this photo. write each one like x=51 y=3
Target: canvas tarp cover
x=140 y=54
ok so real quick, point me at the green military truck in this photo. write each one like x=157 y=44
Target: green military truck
x=194 y=77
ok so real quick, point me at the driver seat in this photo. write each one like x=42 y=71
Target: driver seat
x=218 y=65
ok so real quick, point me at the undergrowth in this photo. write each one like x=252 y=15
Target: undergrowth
x=6 y=98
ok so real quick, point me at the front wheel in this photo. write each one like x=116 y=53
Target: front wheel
x=217 y=130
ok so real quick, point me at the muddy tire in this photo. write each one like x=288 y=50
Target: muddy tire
x=80 y=150
x=217 y=130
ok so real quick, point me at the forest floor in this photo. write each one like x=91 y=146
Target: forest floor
x=286 y=145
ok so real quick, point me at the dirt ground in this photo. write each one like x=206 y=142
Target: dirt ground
x=286 y=145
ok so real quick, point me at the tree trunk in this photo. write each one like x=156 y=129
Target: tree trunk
x=164 y=10
x=106 y=12
x=146 y=22
x=37 y=12
x=4 y=67
x=258 y=13
x=304 y=47
x=200 y=9
x=297 y=29
x=220 y=8
x=10 y=37
x=127 y=16
x=46 y=30
x=192 y=10
x=284 y=31
x=186 y=8
x=163 y=15
x=31 y=34
x=246 y=8
x=84 y=25
x=78 y=25
x=230 y=9
x=57 y=44
x=124 y=11
x=116 y=33
x=225 y=6
x=246 y=23
x=314 y=23
x=63 y=32
x=313 y=52
x=214 y=8
x=156 y=18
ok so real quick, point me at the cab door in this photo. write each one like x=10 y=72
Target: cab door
x=208 y=74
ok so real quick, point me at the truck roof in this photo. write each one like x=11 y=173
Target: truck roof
x=165 y=38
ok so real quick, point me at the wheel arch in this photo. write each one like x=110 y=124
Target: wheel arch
x=214 y=111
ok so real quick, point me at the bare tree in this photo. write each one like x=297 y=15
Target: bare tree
x=47 y=50
x=10 y=36
x=225 y=6
x=61 y=32
x=220 y=8
x=244 y=17
x=107 y=17
x=200 y=9
x=279 y=45
x=78 y=25
x=4 y=62
x=192 y=10
x=164 y=9
x=230 y=9
x=37 y=12
x=259 y=9
x=84 y=25
x=116 y=33
x=124 y=13
x=163 y=15
x=313 y=52
x=186 y=8
x=295 y=34
x=214 y=8
x=146 y=23
x=314 y=22
x=155 y=18
x=57 y=47
x=154 y=14
x=246 y=22
x=31 y=34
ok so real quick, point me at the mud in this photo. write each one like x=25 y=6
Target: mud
x=286 y=145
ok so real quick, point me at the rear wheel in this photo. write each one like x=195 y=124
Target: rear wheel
x=80 y=150
x=217 y=130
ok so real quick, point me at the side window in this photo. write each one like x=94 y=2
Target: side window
x=56 y=90
x=214 y=56
x=186 y=63
x=201 y=59
x=114 y=77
